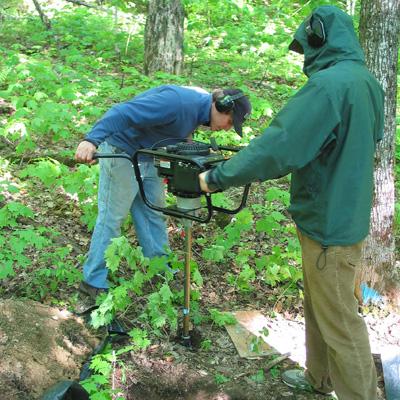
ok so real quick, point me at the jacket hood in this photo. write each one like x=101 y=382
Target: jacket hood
x=341 y=41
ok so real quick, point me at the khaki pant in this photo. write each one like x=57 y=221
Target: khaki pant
x=338 y=352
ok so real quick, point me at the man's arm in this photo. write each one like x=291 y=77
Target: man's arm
x=295 y=137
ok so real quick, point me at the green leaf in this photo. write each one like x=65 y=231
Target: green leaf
x=197 y=278
x=139 y=338
x=259 y=377
x=274 y=372
x=222 y=318
x=220 y=379
x=47 y=170
x=264 y=331
x=214 y=253
x=267 y=225
x=115 y=252
x=11 y=211
x=159 y=321
x=206 y=344
x=261 y=262
x=6 y=269
x=276 y=194
x=245 y=218
x=101 y=395
x=246 y=276
x=165 y=293
x=102 y=367
x=137 y=282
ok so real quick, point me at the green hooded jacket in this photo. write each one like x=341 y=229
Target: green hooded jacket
x=325 y=136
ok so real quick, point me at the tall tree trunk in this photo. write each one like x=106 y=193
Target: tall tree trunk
x=350 y=6
x=164 y=36
x=42 y=15
x=379 y=36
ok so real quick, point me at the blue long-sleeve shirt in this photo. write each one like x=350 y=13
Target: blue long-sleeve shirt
x=163 y=115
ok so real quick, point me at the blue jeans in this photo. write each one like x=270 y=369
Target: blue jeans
x=118 y=194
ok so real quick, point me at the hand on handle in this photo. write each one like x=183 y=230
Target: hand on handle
x=203 y=184
x=84 y=152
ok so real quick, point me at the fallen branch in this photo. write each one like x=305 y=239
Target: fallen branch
x=268 y=366
x=83 y=3
x=21 y=159
x=276 y=361
x=7 y=142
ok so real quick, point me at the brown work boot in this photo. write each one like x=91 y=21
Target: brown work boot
x=90 y=290
x=87 y=298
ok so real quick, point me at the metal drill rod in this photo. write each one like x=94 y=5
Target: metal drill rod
x=186 y=307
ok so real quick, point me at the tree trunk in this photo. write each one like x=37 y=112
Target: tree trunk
x=350 y=7
x=379 y=37
x=42 y=15
x=164 y=37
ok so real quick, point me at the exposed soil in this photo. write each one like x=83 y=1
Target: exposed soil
x=39 y=346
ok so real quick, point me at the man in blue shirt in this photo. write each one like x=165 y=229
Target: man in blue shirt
x=157 y=117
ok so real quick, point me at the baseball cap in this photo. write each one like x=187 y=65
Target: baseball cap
x=241 y=109
x=296 y=46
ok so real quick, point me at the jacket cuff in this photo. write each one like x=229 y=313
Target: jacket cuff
x=211 y=181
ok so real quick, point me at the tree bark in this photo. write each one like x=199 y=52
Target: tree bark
x=42 y=15
x=164 y=37
x=379 y=37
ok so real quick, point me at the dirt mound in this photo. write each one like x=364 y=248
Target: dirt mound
x=39 y=346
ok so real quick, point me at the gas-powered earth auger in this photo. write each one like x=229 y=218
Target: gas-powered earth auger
x=180 y=166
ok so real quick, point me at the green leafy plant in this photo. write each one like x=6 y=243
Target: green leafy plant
x=258 y=377
x=161 y=304
x=222 y=318
x=274 y=371
x=13 y=210
x=80 y=183
x=17 y=246
x=221 y=379
x=98 y=384
x=206 y=344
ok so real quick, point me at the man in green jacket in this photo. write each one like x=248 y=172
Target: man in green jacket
x=325 y=136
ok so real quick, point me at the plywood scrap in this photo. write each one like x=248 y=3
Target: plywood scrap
x=280 y=335
x=247 y=335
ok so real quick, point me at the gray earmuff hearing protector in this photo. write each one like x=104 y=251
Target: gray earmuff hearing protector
x=226 y=103
x=315 y=30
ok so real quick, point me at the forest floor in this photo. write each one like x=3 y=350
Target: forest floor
x=168 y=370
